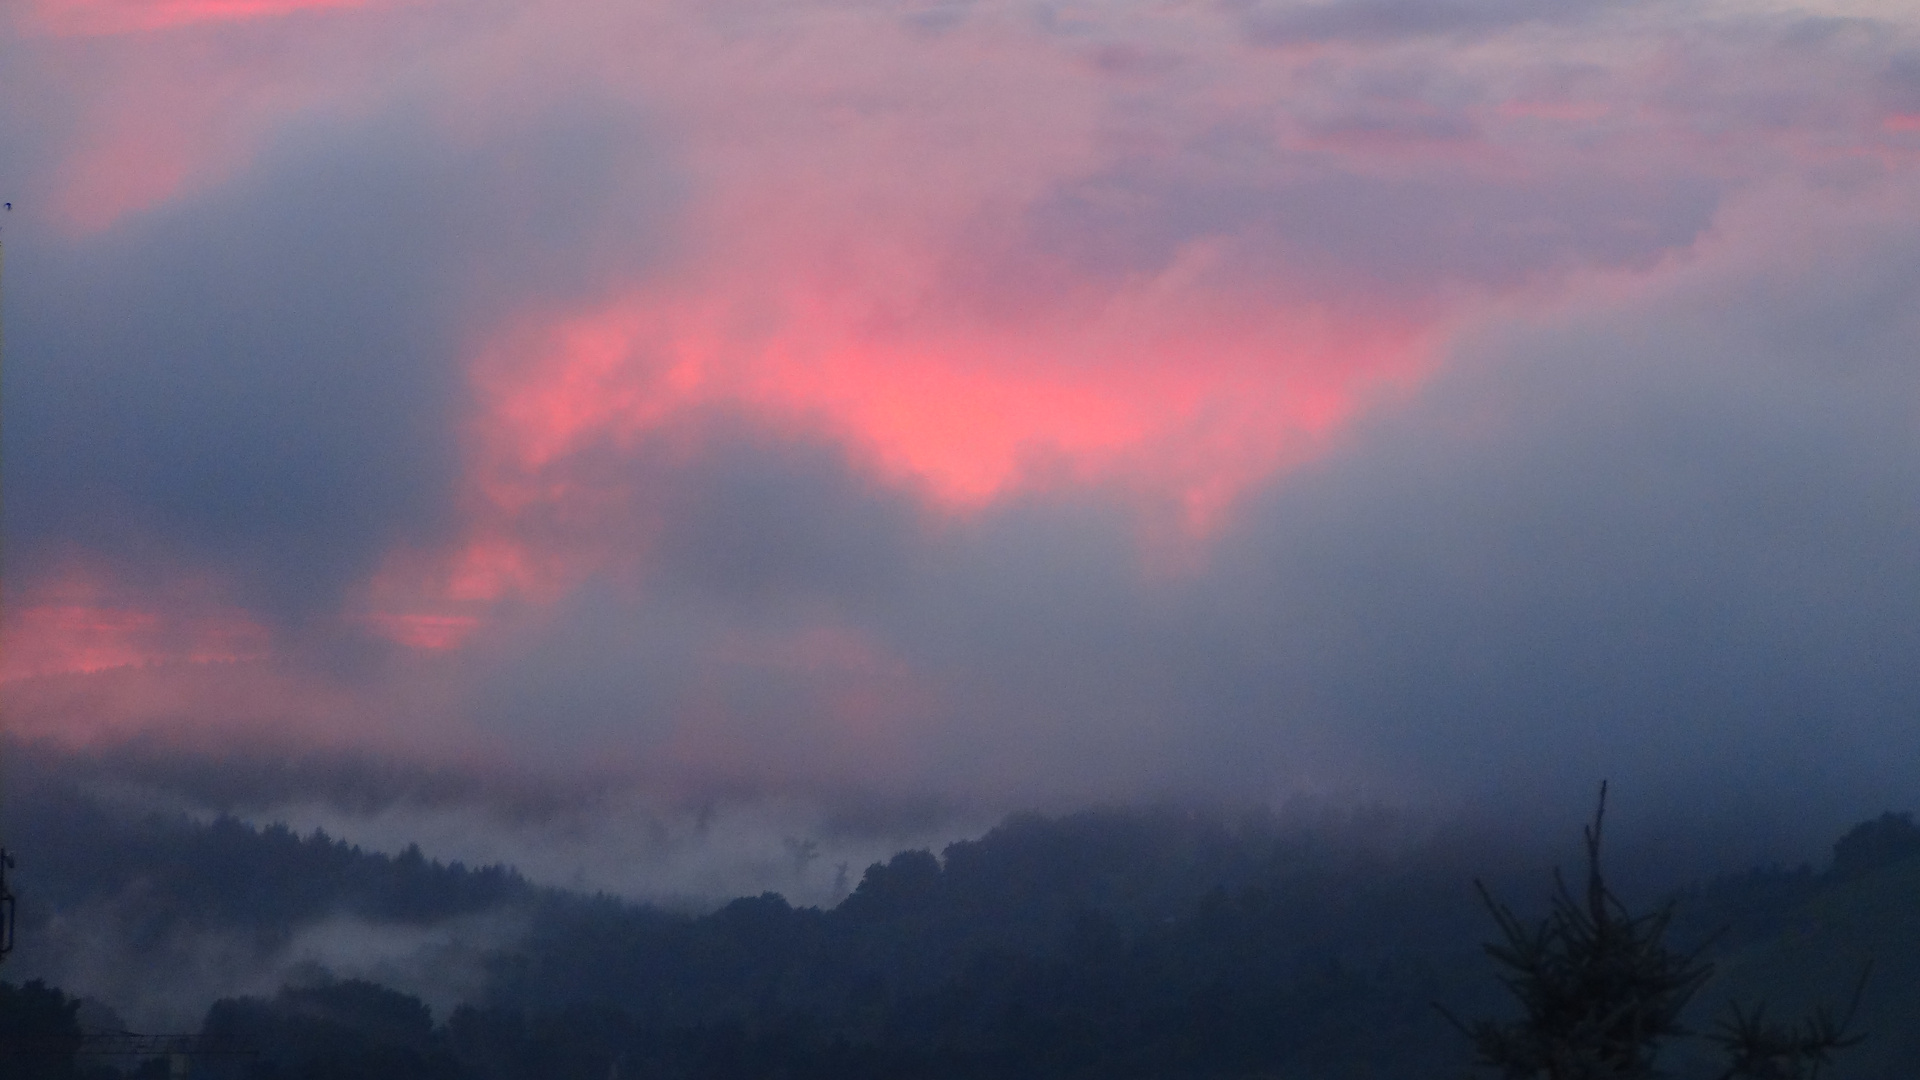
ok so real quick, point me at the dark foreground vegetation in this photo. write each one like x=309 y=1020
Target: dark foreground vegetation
x=1104 y=944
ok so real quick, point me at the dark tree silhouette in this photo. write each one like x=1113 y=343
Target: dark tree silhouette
x=1870 y=845
x=1762 y=1049
x=1601 y=993
x=1599 y=989
x=39 y=1035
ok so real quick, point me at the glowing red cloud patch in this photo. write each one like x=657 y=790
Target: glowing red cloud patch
x=76 y=624
x=137 y=16
x=434 y=602
x=162 y=99
x=1164 y=385
x=432 y=633
x=831 y=271
x=122 y=174
x=221 y=707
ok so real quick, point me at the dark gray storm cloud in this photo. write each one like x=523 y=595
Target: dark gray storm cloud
x=731 y=535
x=1899 y=82
x=263 y=380
x=743 y=510
x=1675 y=541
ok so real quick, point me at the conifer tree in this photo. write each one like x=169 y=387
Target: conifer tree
x=1600 y=993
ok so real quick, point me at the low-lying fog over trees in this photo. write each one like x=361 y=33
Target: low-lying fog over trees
x=1149 y=943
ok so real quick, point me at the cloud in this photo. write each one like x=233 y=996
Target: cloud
x=123 y=16
x=1657 y=535
x=1404 y=236
x=905 y=403
x=263 y=383
x=1290 y=22
x=164 y=982
x=575 y=828
x=1899 y=83
x=1660 y=538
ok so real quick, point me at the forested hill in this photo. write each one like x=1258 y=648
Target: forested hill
x=1102 y=944
x=225 y=873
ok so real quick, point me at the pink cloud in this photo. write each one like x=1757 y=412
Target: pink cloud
x=90 y=17
x=992 y=260
x=79 y=623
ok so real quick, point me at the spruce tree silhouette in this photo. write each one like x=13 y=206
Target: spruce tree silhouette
x=1601 y=993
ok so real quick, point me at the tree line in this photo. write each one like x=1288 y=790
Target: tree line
x=1105 y=944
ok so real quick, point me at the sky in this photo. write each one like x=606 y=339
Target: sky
x=957 y=406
